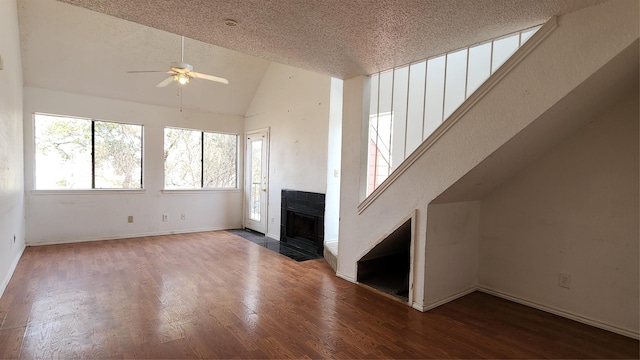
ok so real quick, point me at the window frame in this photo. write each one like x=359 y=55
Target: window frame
x=454 y=94
x=202 y=189
x=93 y=189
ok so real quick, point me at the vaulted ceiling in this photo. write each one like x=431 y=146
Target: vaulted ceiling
x=70 y=48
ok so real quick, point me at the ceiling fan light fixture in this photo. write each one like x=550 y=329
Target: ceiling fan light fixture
x=182 y=78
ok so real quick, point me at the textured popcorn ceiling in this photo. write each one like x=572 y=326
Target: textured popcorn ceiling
x=73 y=49
x=341 y=38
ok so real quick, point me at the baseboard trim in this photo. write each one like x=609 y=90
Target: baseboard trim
x=12 y=269
x=346 y=277
x=455 y=296
x=419 y=307
x=132 y=236
x=563 y=313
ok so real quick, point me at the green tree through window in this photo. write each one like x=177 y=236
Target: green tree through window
x=199 y=159
x=77 y=153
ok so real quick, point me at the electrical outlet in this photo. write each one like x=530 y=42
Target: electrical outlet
x=273 y=221
x=182 y=216
x=14 y=238
x=165 y=217
x=564 y=280
x=130 y=218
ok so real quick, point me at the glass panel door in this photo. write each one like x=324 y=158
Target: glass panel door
x=256 y=179
x=256 y=175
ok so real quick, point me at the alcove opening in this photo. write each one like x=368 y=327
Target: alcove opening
x=387 y=267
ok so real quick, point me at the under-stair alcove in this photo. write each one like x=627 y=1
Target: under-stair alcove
x=387 y=267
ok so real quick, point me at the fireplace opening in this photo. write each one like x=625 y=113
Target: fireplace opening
x=387 y=267
x=302 y=226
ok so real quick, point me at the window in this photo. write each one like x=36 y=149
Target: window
x=408 y=103
x=78 y=153
x=198 y=159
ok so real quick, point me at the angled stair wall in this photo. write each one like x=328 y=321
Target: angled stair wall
x=583 y=43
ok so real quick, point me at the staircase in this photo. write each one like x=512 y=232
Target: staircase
x=527 y=109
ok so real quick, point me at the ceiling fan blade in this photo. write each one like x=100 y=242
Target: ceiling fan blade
x=196 y=75
x=146 y=71
x=165 y=82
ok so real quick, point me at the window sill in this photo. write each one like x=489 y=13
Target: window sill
x=198 y=191
x=88 y=192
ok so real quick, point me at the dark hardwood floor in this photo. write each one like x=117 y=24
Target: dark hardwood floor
x=216 y=295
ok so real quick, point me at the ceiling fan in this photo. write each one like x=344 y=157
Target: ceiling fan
x=182 y=72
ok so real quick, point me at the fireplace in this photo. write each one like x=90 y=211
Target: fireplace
x=302 y=220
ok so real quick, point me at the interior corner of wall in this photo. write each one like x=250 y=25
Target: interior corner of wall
x=12 y=268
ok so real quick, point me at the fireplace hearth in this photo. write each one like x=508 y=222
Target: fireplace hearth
x=302 y=220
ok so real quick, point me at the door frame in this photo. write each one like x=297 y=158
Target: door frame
x=247 y=174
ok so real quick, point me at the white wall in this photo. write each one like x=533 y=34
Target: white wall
x=583 y=42
x=573 y=211
x=355 y=120
x=294 y=104
x=89 y=215
x=11 y=156
x=334 y=147
x=453 y=231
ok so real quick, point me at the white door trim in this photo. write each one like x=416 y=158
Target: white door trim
x=247 y=174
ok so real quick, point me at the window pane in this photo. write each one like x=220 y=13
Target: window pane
x=434 y=96
x=382 y=128
x=373 y=102
x=415 y=111
x=502 y=50
x=256 y=180
x=118 y=155
x=479 y=66
x=373 y=121
x=385 y=89
x=400 y=89
x=527 y=34
x=182 y=159
x=63 y=152
x=383 y=152
x=220 y=156
x=455 y=82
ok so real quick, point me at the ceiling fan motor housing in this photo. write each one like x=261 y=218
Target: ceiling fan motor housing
x=180 y=67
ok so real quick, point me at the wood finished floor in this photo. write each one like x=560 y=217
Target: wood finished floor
x=216 y=295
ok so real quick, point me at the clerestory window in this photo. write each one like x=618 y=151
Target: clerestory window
x=409 y=102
